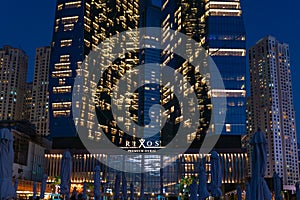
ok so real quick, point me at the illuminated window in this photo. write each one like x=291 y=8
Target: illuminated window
x=87 y=28
x=223 y=12
x=61 y=113
x=69 y=20
x=227 y=52
x=95 y=40
x=87 y=43
x=61 y=81
x=228 y=93
x=240 y=103
x=62 y=89
x=94 y=47
x=57 y=21
x=75 y=4
x=61 y=66
x=61 y=105
x=87 y=20
x=87 y=13
x=87 y=6
x=228 y=127
x=65 y=73
x=223 y=5
x=64 y=58
x=68 y=27
x=95 y=25
x=241 y=78
x=191 y=137
x=231 y=103
x=64 y=43
x=60 y=6
x=79 y=63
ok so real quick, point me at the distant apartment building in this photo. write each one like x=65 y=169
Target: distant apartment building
x=271 y=107
x=39 y=114
x=13 y=70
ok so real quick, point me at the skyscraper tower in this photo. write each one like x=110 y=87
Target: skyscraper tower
x=108 y=18
x=271 y=107
x=13 y=71
x=223 y=35
x=218 y=26
x=183 y=16
x=79 y=27
x=39 y=115
x=74 y=28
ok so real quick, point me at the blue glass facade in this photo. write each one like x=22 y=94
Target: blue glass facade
x=67 y=53
x=219 y=27
x=223 y=35
x=149 y=94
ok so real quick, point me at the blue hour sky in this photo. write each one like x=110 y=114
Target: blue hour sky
x=28 y=24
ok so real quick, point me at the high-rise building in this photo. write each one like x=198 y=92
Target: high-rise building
x=151 y=96
x=13 y=71
x=39 y=114
x=223 y=35
x=73 y=23
x=183 y=16
x=218 y=26
x=143 y=97
x=92 y=22
x=27 y=104
x=79 y=27
x=271 y=107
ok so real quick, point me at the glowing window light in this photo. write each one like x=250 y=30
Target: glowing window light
x=69 y=20
x=65 y=73
x=75 y=4
x=61 y=105
x=61 y=113
x=62 y=89
x=227 y=52
x=64 y=43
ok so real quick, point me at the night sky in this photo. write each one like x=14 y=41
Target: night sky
x=28 y=24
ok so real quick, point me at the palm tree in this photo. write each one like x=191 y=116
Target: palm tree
x=55 y=184
x=184 y=184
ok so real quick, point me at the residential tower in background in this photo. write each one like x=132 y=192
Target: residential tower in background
x=13 y=71
x=271 y=107
x=39 y=114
